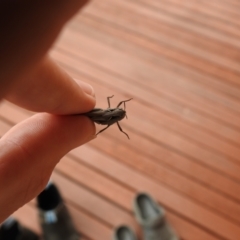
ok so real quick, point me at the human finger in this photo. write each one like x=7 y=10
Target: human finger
x=28 y=30
x=30 y=151
x=50 y=89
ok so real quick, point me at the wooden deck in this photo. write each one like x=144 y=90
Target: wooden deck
x=179 y=60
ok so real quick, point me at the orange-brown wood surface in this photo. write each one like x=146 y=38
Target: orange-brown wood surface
x=179 y=61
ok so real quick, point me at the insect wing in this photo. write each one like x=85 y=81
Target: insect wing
x=108 y=113
x=95 y=112
x=98 y=116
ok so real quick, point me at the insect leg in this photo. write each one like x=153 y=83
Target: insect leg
x=103 y=129
x=123 y=103
x=108 y=99
x=122 y=130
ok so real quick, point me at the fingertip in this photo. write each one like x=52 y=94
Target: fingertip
x=90 y=99
x=87 y=88
x=51 y=89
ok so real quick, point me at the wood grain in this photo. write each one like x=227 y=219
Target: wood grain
x=179 y=60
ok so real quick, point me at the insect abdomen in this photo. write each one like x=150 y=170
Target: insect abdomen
x=106 y=117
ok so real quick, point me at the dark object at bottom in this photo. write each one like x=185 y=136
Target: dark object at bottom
x=12 y=230
x=54 y=217
x=124 y=233
x=151 y=217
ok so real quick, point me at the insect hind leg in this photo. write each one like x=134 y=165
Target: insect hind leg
x=122 y=130
x=103 y=129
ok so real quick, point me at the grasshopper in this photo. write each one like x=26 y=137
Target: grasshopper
x=109 y=116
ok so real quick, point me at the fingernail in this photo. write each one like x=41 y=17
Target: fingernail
x=87 y=88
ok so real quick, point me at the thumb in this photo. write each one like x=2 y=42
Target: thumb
x=31 y=150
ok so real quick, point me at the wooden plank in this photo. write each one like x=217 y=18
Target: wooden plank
x=122 y=196
x=176 y=11
x=5 y=126
x=140 y=162
x=165 y=65
x=160 y=157
x=162 y=34
x=234 y=4
x=184 y=58
x=180 y=204
x=182 y=24
x=152 y=52
x=156 y=117
x=91 y=50
x=216 y=8
x=89 y=226
x=160 y=30
x=13 y=113
x=105 y=24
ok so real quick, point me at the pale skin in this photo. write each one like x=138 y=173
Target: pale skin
x=30 y=79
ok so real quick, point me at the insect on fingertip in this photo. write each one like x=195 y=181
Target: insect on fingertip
x=109 y=116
